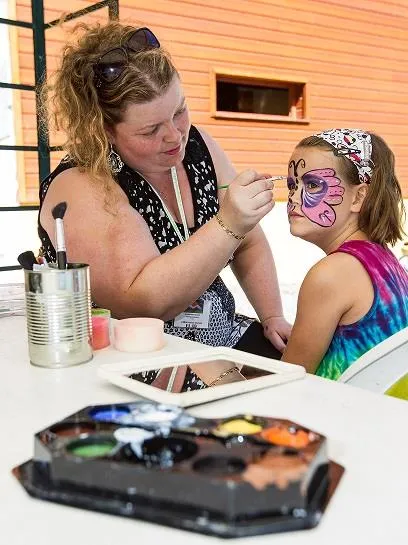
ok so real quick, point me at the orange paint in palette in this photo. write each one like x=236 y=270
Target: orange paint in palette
x=229 y=477
x=287 y=437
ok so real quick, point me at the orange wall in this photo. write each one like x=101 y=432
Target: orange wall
x=353 y=55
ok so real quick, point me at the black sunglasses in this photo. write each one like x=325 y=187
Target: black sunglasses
x=110 y=65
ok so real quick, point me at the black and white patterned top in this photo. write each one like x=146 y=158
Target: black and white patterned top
x=225 y=327
x=191 y=380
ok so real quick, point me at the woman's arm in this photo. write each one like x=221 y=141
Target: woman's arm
x=255 y=270
x=326 y=295
x=128 y=274
x=220 y=372
x=253 y=263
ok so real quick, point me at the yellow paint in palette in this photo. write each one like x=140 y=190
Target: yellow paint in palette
x=238 y=426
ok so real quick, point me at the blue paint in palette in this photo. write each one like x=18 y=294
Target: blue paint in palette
x=109 y=414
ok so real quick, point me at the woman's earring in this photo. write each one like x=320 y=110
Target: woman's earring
x=114 y=160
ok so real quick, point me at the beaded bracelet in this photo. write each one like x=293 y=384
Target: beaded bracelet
x=227 y=230
x=224 y=374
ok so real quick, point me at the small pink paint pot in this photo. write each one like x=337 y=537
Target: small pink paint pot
x=100 y=332
x=139 y=334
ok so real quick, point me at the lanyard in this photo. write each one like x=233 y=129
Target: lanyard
x=172 y=221
x=180 y=206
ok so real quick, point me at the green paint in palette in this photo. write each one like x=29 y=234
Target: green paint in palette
x=92 y=448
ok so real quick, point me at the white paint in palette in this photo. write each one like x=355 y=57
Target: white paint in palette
x=135 y=436
x=155 y=416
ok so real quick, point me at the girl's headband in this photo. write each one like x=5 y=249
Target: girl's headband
x=355 y=145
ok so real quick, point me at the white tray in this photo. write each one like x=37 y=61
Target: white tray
x=117 y=373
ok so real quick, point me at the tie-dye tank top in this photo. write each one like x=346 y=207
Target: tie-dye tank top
x=387 y=315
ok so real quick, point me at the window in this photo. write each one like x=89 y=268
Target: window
x=255 y=97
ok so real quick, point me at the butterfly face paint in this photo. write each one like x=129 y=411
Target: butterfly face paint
x=320 y=191
x=293 y=183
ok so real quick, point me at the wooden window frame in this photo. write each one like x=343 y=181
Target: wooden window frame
x=252 y=78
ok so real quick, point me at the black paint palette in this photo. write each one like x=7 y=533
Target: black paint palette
x=237 y=476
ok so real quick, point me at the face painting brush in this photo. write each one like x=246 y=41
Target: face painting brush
x=271 y=179
x=58 y=213
x=27 y=260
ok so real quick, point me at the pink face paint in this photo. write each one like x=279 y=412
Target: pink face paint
x=321 y=190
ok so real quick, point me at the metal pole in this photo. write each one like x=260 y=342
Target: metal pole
x=113 y=8
x=40 y=70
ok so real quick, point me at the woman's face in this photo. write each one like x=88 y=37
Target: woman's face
x=152 y=136
x=320 y=202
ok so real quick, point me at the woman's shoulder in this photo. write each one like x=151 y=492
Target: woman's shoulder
x=81 y=190
x=90 y=207
x=66 y=163
x=70 y=181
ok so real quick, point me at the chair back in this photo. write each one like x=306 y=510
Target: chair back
x=382 y=367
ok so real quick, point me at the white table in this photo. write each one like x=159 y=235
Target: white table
x=369 y=506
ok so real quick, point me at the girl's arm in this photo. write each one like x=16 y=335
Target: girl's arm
x=325 y=296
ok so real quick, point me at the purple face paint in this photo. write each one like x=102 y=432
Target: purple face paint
x=321 y=190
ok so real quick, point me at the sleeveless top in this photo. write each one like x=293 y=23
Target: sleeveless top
x=225 y=328
x=387 y=315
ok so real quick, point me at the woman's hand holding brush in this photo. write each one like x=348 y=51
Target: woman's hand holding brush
x=248 y=199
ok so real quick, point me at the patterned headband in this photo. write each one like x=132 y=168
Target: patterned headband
x=355 y=145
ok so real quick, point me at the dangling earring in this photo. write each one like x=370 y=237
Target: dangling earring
x=114 y=160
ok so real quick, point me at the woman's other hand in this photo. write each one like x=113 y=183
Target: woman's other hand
x=277 y=330
x=248 y=199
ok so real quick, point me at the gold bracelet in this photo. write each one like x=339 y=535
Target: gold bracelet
x=222 y=224
x=224 y=374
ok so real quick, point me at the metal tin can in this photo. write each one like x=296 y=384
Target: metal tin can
x=58 y=304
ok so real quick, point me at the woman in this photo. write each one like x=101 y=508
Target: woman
x=143 y=206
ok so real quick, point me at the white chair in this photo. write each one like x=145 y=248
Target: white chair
x=382 y=366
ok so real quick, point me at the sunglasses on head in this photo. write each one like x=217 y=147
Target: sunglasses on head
x=110 y=65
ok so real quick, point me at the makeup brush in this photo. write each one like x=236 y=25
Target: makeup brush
x=27 y=260
x=58 y=213
x=271 y=179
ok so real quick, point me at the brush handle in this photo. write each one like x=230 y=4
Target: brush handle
x=62 y=260
x=272 y=179
x=61 y=249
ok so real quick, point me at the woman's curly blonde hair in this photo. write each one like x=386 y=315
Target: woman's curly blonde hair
x=82 y=110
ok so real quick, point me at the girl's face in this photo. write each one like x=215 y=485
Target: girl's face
x=320 y=202
x=152 y=136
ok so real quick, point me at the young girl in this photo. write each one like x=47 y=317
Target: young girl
x=345 y=198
